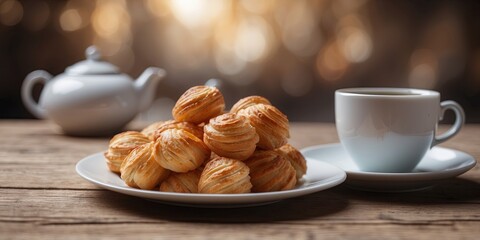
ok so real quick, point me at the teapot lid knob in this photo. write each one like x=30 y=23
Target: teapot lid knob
x=92 y=53
x=93 y=65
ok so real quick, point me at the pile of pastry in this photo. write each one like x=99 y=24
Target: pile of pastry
x=207 y=150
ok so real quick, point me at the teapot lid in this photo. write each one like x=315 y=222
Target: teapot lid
x=93 y=65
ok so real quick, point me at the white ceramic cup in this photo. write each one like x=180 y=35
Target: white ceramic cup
x=391 y=129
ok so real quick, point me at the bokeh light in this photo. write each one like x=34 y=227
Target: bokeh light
x=423 y=69
x=228 y=63
x=331 y=63
x=198 y=13
x=11 y=12
x=159 y=8
x=70 y=20
x=110 y=19
x=258 y=7
x=252 y=39
x=356 y=44
x=290 y=51
x=300 y=31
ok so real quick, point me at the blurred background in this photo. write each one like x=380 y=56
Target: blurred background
x=296 y=53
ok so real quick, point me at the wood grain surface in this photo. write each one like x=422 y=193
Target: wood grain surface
x=42 y=197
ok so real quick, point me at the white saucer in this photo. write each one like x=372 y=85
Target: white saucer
x=320 y=176
x=439 y=164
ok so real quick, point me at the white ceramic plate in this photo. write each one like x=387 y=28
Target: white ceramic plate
x=320 y=176
x=438 y=164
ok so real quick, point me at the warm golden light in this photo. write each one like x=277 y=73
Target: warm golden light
x=111 y=23
x=344 y=7
x=198 y=13
x=356 y=44
x=227 y=62
x=110 y=18
x=11 y=12
x=237 y=43
x=331 y=64
x=70 y=20
x=256 y=6
x=291 y=50
x=251 y=39
x=158 y=8
x=422 y=76
x=238 y=37
x=300 y=33
x=423 y=69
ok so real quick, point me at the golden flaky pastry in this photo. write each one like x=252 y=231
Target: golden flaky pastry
x=198 y=104
x=180 y=151
x=247 y=102
x=230 y=135
x=140 y=170
x=213 y=155
x=120 y=146
x=269 y=171
x=295 y=158
x=181 y=182
x=270 y=124
x=172 y=124
x=150 y=129
x=225 y=175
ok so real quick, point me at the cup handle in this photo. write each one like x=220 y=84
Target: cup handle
x=457 y=125
x=33 y=78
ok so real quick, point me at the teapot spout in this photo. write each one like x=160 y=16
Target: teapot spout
x=146 y=86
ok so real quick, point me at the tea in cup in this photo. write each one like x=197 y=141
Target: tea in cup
x=391 y=129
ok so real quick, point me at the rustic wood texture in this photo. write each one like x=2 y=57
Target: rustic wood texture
x=41 y=196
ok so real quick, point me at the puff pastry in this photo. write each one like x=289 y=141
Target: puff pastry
x=172 y=124
x=247 y=102
x=269 y=171
x=230 y=136
x=198 y=104
x=295 y=158
x=150 y=129
x=181 y=182
x=270 y=124
x=120 y=146
x=225 y=175
x=179 y=150
x=140 y=170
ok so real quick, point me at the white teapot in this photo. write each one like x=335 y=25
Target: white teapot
x=91 y=98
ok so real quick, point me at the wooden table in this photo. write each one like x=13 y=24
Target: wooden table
x=41 y=196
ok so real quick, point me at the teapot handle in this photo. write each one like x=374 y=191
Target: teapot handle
x=33 y=78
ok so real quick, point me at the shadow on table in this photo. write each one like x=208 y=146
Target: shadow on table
x=314 y=205
x=321 y=204
x=454 y=190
